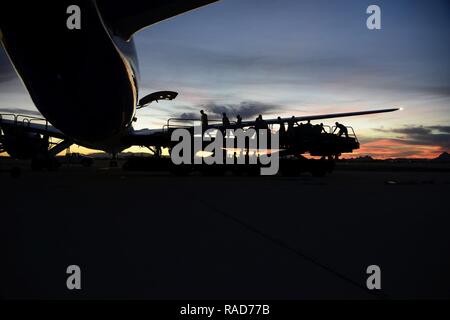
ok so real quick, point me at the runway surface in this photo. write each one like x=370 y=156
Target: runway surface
x=156 y=236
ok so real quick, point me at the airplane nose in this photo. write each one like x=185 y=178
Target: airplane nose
x=77 y=78
x=93 y=108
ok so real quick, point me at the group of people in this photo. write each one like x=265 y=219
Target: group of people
x=305 y=128
x=225 y=121
x=308 y=128
x=260 y=123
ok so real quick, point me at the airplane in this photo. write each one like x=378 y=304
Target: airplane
x=85 y=82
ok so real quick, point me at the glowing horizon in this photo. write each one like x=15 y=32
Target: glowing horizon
x=302 y=57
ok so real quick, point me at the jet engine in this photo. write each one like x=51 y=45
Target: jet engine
x=23 y=145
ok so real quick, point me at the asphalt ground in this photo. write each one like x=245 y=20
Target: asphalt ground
x=151 y=235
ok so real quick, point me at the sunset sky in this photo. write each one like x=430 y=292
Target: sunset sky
x=292 y=57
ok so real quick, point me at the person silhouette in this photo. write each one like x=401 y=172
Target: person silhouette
x=204 y=120
x=263 y=122
x=322 y=128
x=291 y=123
x=282 y=130
x=342 y=130
x=239 y=121
x=225 y=121
x=258 y=124
x=318 y=129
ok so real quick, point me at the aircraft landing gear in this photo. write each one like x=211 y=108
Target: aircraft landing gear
x=46 y=159
x=293 y=167
x=320 y=168
x=113 y=163
x=157 y=151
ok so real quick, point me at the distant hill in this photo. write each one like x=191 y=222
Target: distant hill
x=360 y=159
x=443 y=157
x=365 y=158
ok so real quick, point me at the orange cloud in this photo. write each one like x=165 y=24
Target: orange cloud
x=394 y=148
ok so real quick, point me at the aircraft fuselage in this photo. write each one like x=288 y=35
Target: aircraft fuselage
x=84 y=82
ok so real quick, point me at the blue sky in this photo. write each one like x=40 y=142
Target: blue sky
x=291 y=57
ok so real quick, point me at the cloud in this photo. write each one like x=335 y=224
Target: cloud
x=395 y=148
x=246 y=109
x=437 y=136
x=21 y=111
x=189 y=115
x=330 y=67
x=436 y=90
x=416 y=131
x=444 y=129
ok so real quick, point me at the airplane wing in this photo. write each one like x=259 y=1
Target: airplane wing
x=41 y=128
x=324 y=116
x=147 y=137
x=159 y=137
x=127 y=17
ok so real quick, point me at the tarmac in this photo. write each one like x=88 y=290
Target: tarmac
x=151 y=235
